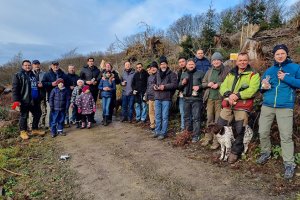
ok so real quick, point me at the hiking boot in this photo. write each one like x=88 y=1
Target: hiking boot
x=161 y=137
x=155 y=135
x=82 y=125
x=124 y=119
x=207 y=139
x=215 y=145
x=61 y=133
x=289 y=170
x=77 y=124
x=53 y=135
x=105 y=121
x=264 y=157
x=89 y=125
x=38 y=132
x=195 y=139
x=24 y=135
x=232 y=158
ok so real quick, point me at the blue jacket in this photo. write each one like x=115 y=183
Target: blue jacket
x=202 y=64
x=59 y=99
x=282 y=92
x=107 y=83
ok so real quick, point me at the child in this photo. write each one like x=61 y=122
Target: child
x=58 y=100
x=107 y=86
x=75 y=94
x=86 y=106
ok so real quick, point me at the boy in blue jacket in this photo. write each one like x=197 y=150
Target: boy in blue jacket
x=107 y=86
x=58 y=101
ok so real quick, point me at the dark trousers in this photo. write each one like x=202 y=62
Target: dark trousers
x=112 y=105
x=192 y=116
x=35 y=109
x=95 y=97
x=87 y=117
x=77 y=115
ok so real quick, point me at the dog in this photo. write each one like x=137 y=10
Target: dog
x=225 y=137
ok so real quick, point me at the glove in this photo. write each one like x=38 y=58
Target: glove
x=15 y=105
x=227 y=94
x=79 y=110
x=94 y=110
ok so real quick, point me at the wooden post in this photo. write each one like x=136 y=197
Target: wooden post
x=241 y=39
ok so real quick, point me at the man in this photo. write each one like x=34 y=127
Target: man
x=279 y=86
x=202 y=63
x=191 y=84
x=127 y=95
x=238 y=89
x=150 y=93
x=73 y=78
x=139 y=86
x=164 y=88
x=108 y=67
x=50 y=81
x=39 y=74
x=182 y=69
x=211 y=83
x=90 y=75
x=26 y=97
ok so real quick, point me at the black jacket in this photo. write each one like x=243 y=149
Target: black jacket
x=39 y=76
x=21 y=87
x=170 y=83
x=73 y=78
x=150 y=89
x=139 y=82
x=50 y=77
x=87 y=74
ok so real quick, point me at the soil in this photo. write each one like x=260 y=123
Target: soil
x=123 y=161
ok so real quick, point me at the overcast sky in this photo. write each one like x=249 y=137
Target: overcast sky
x=46 y=29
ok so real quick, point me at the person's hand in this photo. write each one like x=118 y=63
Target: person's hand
x=40 y=85
x=281 y=75
x=95 y=83
x=196 y=88
x=103 y=78
x=72 y=87
x=210 y=84
x=231 y=102
x=72 y=105
x=233 y=97
x=54 y=84
x=215 y=86
x=155 y=87
x=184 y=81
x=265 y=84
x=94 y=110
x=16 y=105
x=79 y=110
x=89 y=82
x=161 y=87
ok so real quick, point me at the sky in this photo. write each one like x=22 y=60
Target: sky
x=46 y=29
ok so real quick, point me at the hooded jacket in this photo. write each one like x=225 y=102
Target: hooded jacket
x=282 y=93
x=59 y=99
x=107 y=82
x=86 y=103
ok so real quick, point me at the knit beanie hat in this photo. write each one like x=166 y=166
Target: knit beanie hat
x=163 y=59
x=60 y=80
x=85 y=88
x=280 y=46
x=80 y=81
x=217 y=56
x=154 y=64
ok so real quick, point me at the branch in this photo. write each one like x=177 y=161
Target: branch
x=6 y=170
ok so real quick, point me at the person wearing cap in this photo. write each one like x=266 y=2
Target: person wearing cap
x=26 y=98
x=58 y=101
x=238 y=90
x=165 y=85
x=211 y=83
x=127 y=92
x=149 y=95
x=278 y=86
x=90 y=75
x=202 y=63
x=39 y=74
x=182 y=69
x=73 y=78
x=139 y=86
x=75 y=94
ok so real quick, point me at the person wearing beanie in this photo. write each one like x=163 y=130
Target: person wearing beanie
x=182 y=69
x=278 y=86
x=211 y=83
x=149 y=95
x=59 y=102
x=165 y=85
x=86 y=107
x=202 y=63
x=75 y=94
x=127 y=92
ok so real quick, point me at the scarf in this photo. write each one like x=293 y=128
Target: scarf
x=189 y=85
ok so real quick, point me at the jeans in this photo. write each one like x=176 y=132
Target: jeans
x=162 y=116
x=105 y=105
x=193 y=123
x=141 y=110
x=35 y=109
x=181 y=110
x=127 y=106
x=57 y=121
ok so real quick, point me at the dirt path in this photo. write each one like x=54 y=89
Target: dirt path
x=122 y=161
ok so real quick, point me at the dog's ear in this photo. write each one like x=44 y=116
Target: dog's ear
x=222 y=130
x=215 y=128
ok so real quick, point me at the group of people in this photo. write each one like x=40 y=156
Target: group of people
x=228 y=94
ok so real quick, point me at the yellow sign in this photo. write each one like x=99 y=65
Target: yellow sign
x=233 y=56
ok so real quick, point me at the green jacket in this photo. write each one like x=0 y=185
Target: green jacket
x=197 y=81
x=245 y=85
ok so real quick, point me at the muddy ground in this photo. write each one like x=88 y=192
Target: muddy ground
x=122 y=161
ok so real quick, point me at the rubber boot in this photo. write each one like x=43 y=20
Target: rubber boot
x=207 y=139
x=78 y=124
x=89 y=125
x=105 y=121
x=215 y=145
x=82 y=125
